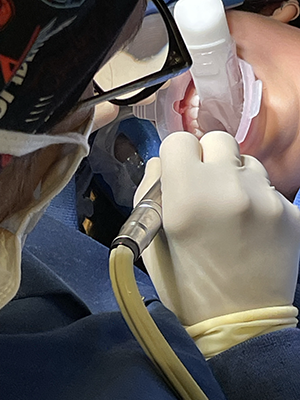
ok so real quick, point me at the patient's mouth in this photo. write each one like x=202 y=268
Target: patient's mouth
x=189 y=108
x=192 y=116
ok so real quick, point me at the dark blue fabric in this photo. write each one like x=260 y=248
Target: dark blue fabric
x=142 y=135
x=297 y=199
x=297 y=294
x=69 y=341
x=263 y=368
x=63 y=206
x=63 y=338
x=76 y=355
x=81 y=262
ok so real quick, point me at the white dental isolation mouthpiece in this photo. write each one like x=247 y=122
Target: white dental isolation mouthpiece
x=215 y=68
x=202 y=23
x=229 y=93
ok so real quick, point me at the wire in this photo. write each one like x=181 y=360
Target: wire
x=144 y=328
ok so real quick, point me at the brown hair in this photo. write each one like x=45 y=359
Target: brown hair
x=259 y=6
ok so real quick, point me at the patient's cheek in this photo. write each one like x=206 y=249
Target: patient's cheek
x=257 y=37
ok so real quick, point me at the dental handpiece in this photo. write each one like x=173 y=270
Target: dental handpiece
x=143 y=223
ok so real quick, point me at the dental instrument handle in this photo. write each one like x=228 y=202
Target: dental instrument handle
x=215 y=68
x=143 y=223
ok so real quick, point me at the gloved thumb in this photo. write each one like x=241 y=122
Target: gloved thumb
x=152 y=173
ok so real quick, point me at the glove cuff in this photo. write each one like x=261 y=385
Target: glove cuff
x=218 y=334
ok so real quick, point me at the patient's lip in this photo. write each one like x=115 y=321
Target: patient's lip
x=255 y=134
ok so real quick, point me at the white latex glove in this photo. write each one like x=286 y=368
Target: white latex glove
x=226 y=262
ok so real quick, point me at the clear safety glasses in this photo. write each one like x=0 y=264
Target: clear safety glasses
x=156 y=54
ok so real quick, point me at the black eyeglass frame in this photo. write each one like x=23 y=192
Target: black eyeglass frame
x=177 y=62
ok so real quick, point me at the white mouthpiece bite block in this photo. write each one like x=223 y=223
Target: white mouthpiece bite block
x=202 y=23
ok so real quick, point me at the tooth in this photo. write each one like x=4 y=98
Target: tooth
x=198 y=133
x=192 y=113
x=195 y=101
x=194 y=124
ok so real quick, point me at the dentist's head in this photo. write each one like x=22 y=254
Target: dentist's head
x=49 y=53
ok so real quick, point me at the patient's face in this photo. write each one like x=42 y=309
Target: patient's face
x=273 y=49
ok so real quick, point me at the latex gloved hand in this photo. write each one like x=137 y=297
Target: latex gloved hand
x=226 y=262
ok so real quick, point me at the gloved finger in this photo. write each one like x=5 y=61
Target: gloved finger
x=220 y=148
x=179 y=151
x=252 y=163
x=152 y=173
x=180 y=155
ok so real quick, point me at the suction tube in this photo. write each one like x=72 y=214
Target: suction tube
x=135 y=235
x=144 y=328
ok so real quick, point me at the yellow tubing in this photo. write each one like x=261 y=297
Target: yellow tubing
x=144 y=328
